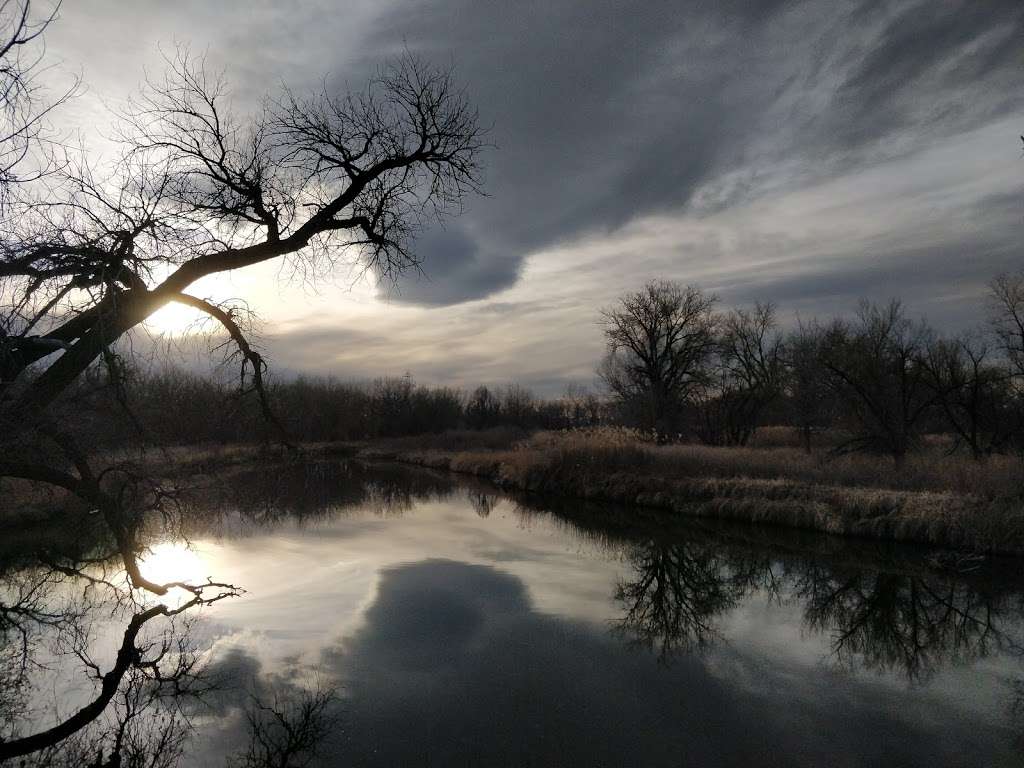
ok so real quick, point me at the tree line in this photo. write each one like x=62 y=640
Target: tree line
x=676 y=368
x=171 y=406
x=679 y=368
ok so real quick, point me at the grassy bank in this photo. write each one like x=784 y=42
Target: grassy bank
x=934 y=499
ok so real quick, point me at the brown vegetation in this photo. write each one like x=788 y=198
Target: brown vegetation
x=933 y=498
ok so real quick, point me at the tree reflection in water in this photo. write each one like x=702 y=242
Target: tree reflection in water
x=51 y=612
x=141 y=705
x=67 y=596
x=677 y=593
x=483 y=503
x=57 y=601
x=909 y=620
x=306 y=492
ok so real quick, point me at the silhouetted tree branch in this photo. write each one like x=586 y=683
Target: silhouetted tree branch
x=199 y=191
x=147 y=658
x=287 y=732
x=25 y=105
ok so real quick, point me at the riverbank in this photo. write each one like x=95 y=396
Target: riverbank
x=934 y=499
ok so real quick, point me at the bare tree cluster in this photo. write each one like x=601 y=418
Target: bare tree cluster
x=677 y=367
x=746 y=376
x=876 y=365
x=674 y=365
x=516 y=406
x=888 y=380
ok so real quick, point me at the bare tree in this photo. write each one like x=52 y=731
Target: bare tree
x=309 y=182
x=975 y=394
x=1006 y=298
x=199 y=192
x=287 y=731
x=25 y=104
x=659 y=341
x=483 y=408
x=810 y=402
x=747 y=376
x=875 y=366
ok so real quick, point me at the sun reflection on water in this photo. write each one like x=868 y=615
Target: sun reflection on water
x=173 y=561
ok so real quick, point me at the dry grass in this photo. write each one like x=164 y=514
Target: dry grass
x=189 y=460
x=495 y=438
x=930 y=470
x=934 y=498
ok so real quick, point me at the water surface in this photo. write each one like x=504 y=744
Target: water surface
x=463 y=627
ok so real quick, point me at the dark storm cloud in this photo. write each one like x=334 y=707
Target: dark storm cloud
x=607 y=111
x=938 y=283
x=593 y=122
x=454 y=266
x=951 y=62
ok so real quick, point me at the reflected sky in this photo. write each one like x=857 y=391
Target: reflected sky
x=455 y=666
x=462 y=627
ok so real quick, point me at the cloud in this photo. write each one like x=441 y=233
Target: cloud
x=923 y=69
x=455 y=268
x=454 y=666
x=658 y=109
x=801 y=151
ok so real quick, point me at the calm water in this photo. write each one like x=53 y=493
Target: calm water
x=462 y=627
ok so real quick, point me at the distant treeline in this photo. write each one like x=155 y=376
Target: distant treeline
x=676 y=368
x=177 y=407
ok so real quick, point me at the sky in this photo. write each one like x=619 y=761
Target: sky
x=804 y=152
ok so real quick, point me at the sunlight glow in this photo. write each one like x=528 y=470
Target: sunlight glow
x=175 y=320
x=173 y=561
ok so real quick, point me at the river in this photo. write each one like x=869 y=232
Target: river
x=427 y=620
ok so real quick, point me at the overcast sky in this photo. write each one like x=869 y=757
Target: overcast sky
x=807 y=153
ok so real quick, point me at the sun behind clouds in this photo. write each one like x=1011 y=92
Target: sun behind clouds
x=177 y=320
